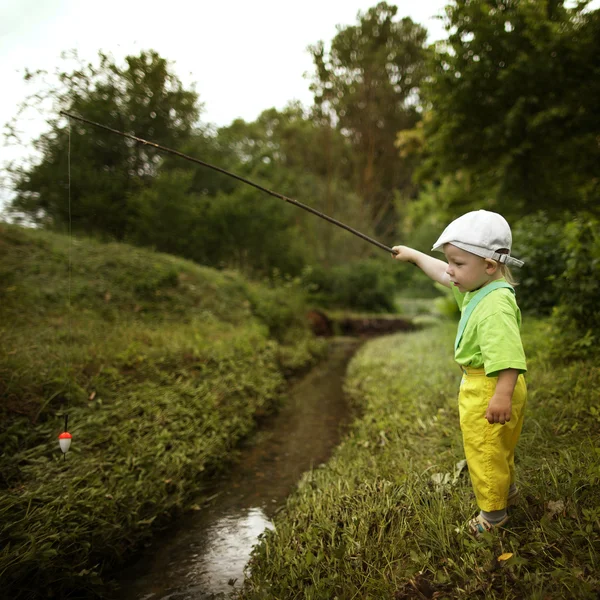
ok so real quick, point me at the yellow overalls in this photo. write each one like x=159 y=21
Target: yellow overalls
x=489 y=448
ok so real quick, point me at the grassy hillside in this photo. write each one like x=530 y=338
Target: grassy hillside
x=162 y=366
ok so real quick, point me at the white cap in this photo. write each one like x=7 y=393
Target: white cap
x=480 y=232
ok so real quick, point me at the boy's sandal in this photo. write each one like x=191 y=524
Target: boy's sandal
x=513 y=497
x=479 y=525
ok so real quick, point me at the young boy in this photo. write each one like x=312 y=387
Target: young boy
x=488 y=348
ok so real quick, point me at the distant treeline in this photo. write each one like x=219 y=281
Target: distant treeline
x=401 y=137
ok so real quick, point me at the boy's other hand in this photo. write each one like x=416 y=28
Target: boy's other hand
x=499 y=409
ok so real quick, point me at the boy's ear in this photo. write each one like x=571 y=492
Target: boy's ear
x=491 y=266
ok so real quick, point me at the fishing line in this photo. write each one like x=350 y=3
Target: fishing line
x=229 y=174
x=64 y=439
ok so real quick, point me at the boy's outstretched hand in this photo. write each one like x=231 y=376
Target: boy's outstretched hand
x=432 y=267
x=403 y=253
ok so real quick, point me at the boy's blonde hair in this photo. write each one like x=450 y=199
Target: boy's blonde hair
x=505 y=269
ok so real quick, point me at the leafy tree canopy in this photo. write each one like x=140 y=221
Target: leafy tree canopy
x=140 y=96
x=513 y=98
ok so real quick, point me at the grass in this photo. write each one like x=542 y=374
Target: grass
x=162 y=366
x=385 y=518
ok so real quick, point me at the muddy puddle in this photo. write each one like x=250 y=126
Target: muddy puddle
x=203 y=555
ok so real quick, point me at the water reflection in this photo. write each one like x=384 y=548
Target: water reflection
x=225 y=556
x=211 y=565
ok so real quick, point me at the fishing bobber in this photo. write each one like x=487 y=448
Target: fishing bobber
x=64 y=439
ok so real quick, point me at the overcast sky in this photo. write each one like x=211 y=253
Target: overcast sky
x=244 y=56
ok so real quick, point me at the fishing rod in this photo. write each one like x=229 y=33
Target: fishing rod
x=228 y=173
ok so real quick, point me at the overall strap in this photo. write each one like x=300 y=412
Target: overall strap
x=475 y=300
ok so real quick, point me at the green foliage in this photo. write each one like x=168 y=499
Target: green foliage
x=385 y=518
x=284 y=143
x=240 y=227
x=538 y=241
x=281 y=305
x=577 y=319
x=168 y=217
x=302 y=159
x=413 y=283
x=245 y=230
x=368 y=285
x=253 y=232
x=142 y=97
x=513 y=95
x=163 y=367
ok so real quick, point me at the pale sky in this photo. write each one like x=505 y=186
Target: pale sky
x=244 y=56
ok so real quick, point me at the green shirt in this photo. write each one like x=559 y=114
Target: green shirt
x=491 y=339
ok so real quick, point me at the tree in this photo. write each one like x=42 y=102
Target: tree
x=513 y=99
x=213 y=219
x=142 y=97
x=290 y=152
x=368 y=87
x=169 y=217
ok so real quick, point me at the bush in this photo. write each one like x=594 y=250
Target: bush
x=562 y=276
x=538 y=242
x=577 y=318
x=368 y=285
x=280 y=304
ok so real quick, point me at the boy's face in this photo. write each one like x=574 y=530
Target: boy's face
x=468 y=271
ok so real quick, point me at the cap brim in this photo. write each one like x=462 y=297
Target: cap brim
x=482 y=252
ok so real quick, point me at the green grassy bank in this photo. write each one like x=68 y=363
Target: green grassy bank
x=385 y=518
x=163 y=367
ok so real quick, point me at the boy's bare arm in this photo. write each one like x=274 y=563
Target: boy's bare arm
x=500 y=405
x=432 y=267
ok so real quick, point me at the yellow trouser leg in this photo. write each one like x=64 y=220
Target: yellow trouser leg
x=489 y=449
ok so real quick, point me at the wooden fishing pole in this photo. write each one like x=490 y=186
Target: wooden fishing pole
x=228 y=173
